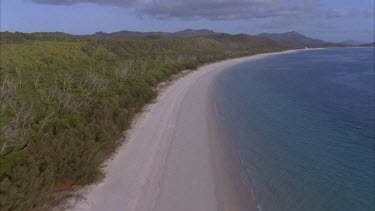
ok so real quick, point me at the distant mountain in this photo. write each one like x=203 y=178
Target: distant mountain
x=101 y=34
x=183 y=33
x=295 y=39
x=193 y=33
x=125 y=33
x=368 y=44
x=292 y=39
x=352 y=42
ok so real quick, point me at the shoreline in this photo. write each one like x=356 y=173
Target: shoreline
x=170 y=161
x=229 y=193
x=229 y=190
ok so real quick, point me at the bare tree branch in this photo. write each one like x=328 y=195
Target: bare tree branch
x=16 y=132
x=36 y=78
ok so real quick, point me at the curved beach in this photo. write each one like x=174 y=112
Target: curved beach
x=171 y=160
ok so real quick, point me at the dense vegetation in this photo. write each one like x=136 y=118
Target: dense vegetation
x=66 y=101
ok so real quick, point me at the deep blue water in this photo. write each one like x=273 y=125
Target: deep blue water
x=302 y=126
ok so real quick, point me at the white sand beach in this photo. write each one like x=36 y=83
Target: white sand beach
x=167 y=163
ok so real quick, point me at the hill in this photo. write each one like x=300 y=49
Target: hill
x=125 y=33
x=295 y=39
x=193 y=33
x=292 y=38
x=183 y=33
x=368 y=45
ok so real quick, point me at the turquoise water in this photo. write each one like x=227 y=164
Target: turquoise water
x=302 y=126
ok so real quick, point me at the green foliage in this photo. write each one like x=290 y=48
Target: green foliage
x=66 y=100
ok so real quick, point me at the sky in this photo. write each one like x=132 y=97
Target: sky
x=331 y=20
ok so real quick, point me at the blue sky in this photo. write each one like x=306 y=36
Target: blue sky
x=332 y=20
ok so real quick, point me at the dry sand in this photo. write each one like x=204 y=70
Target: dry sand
x=168 y=163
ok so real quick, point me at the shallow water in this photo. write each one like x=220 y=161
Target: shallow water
x=302 y=126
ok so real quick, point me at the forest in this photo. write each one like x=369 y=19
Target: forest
x=67 y=100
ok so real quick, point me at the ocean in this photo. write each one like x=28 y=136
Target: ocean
x=302 y=128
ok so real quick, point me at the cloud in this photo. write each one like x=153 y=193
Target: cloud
x=207 y=9
x=339 y=13
x=121 y=3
